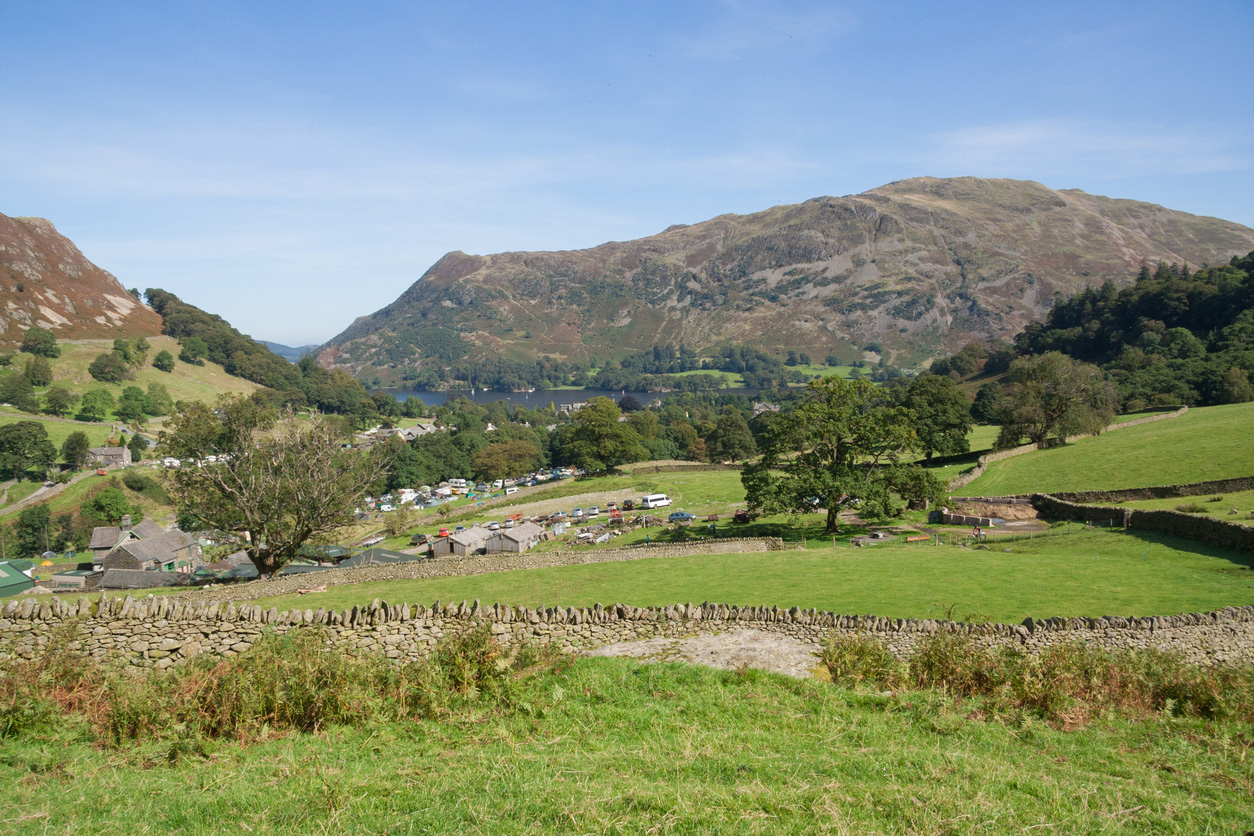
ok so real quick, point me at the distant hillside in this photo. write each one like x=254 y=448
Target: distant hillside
x=46 y=281
x=290 y=353
x=913 y=268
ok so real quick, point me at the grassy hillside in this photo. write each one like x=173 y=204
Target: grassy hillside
x=1212 y=443
x=612 y=746
x=186 y=382
x=1092 y=573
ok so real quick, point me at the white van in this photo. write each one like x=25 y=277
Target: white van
x=655 y=500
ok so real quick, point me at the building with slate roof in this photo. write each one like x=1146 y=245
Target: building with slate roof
x=516 y=540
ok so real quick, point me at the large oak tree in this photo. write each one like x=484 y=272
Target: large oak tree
x=844 y=442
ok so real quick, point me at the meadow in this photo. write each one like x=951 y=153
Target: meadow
x=1203 y=444
x=615 y=746
x=1089 y=572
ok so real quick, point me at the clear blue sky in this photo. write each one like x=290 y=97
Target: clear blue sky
x=291 y=166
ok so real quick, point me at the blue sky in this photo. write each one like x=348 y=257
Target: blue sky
x=291 y=166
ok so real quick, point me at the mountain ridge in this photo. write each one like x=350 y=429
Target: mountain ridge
x=913 y=267
x=46 y=281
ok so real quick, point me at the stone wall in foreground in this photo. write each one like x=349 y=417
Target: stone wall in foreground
x=157 y=632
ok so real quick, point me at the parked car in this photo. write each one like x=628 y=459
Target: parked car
x=681 y=516
x=509 y=523
x=594 y=511
x=493 y=526
x=629 y=504
x=385 y=507
x=557 y=515
x=577 y=513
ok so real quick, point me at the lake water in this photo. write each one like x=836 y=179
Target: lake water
x=541 y=397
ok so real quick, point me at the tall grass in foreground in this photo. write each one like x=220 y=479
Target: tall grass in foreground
x=292 y=682
x=1065 y=684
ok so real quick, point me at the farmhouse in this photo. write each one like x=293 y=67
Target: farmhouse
x=170 y=551
x=110 y=456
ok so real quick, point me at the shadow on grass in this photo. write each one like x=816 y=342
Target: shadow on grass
x=1151 y=538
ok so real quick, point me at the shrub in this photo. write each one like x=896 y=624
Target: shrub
x=1191 y=508
x=854 y=659
x=135 y=481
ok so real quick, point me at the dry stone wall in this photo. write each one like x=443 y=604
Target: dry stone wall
x=1228 y=535
x=157 y=632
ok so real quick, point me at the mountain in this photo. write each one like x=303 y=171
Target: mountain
x=46 y=281
x=912 y=268
x=290 y=353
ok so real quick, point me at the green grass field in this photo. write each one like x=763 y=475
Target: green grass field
x=611 y=746
x=1089 y=573
x=186 y=382
x=59 y=431
x=1215 y=442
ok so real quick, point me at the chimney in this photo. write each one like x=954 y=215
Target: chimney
x=126 y=522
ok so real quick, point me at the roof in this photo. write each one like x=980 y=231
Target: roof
x=20 y=565
x=105 y=537
x=141 y=579
x=375 y=557
x=13 y=581
x=146 y=529
x=522 y=533
x=107 y=451
x=159 y=548
x=77 y=573
x=470 y=537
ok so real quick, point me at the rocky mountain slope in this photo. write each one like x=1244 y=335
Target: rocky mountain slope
x=914 y=267
x=46 y=281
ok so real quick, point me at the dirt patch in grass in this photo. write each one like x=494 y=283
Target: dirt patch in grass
x=727 y=651
x=998 y=511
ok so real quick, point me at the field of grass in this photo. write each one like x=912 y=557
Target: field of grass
x=74 y=495
x=613 y=746
x=1207 y=443
x=1242 y=501
x=59 y=431
x=1090 y=573
x=186 y=382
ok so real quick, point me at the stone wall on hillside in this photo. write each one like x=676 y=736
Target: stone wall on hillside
x=157 y=632
x=1206 y=529
x=1217 y=486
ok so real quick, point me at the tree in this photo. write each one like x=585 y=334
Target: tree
x=110 y=505
x=32 y=531
x=15 y=389
x=41 y=341
x=59 y=401
x=843 y=442
x=194 y=350
x=1235 y=386
x=24 y=446
x=38 y=371
x=109 y=367
x=96 y=404
x=76 y=449
x=987 y=405
x=942 y=417
x=137 y=445
x=731 y=439
x=164 y=361
x=599 y=441
x=507 y=459
x=1052 y=395
x=131 y=405
x=398 y=522
x=278 y=481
